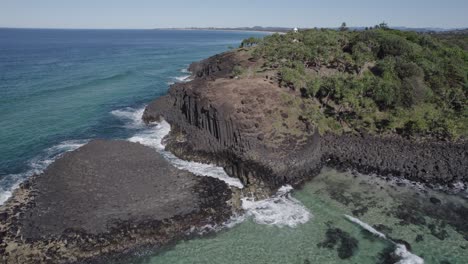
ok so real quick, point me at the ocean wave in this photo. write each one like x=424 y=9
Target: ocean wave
x=81 y=85
x=401 y=252
x=280 y=210
x=9 y=183
x=130 y=116
x=153 y=137
x=183 y=78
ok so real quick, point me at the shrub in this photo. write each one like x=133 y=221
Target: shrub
x=408 y=70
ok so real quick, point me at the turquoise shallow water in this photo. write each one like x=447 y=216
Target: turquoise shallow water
x=405 y=214
x=58 y=87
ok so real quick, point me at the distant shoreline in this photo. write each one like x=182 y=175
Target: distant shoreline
x=226 y=29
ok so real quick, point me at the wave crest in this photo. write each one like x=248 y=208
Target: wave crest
x=153 y=137
x=131 y=117
x=10 y=182
x=401 y=252
x=280 y=210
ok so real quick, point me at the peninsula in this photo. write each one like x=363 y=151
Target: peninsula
x=273 y=112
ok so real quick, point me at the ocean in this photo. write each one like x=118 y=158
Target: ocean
x=61 y=88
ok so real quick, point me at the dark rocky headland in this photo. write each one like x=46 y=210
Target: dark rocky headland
x=250 y=127
x=255 y=118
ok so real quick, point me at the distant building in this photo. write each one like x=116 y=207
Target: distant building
x=295 y=30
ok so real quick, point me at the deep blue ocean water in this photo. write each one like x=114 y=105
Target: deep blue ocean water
x=59 y=87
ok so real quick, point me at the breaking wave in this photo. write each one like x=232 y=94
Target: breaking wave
x=280 y=210
x=131 y=117
x=9 y=183
x=403 y=254
x=153 y=137
x=183 y=78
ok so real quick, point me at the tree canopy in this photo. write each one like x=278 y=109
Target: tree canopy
x=380 y=79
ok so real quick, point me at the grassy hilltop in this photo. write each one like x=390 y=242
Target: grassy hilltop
x=379 y=80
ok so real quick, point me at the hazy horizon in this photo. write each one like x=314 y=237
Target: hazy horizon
x=146 y=14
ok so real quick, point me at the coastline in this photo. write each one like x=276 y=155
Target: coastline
x=229 y=129
x=204 y=128
x=222 y=29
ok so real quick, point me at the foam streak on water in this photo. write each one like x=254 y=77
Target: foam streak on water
x=153 y=137
x=37 y=165
x=405 y=256
x=280 y=210
x=366 y=226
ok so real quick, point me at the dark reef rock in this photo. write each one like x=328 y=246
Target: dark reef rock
x=435 y=200
x=345 y=244
x=429 y=162
x=419 y=238
x=240 y=125
x=107 y=197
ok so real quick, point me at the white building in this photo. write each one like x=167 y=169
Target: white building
x=295 y=30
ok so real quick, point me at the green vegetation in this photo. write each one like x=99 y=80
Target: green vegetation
x=457 y=38
x=379 y=80
x=250 y=42
x=238 y=71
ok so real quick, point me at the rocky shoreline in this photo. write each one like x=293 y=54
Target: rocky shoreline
x=219 y=118
x=106 y=199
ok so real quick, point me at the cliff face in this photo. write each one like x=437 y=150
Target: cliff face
x=215 y=118
x=246 y=125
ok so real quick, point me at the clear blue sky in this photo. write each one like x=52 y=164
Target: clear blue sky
x=233 y=13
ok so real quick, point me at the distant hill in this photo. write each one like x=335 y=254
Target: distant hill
x=256 y=28
x=359 y=28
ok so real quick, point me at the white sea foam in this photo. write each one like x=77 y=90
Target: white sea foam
x=184 y=78
x=36 y=166
x=405 y=256
x=280 y=210
x=153 y=137
x=179 y=79
x=185 y=70
x=366 y=226
x=131 y=117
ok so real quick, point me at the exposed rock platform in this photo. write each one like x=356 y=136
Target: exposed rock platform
x=106 y=197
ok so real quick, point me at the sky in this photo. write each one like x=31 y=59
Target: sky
x=145 y=14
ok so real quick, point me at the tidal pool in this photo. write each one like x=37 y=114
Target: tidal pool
x=432 y=226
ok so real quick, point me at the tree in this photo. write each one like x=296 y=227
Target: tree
x=250 y=42
x=383 y=25
x=343 y=27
